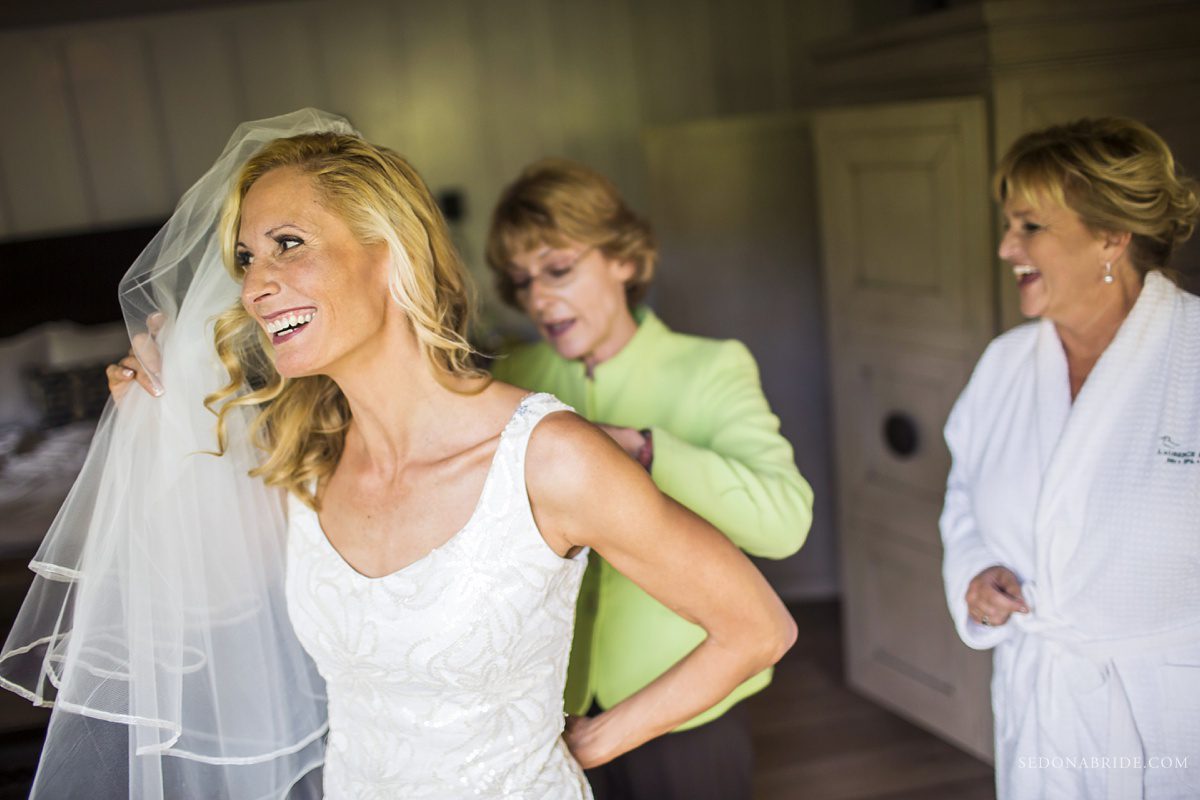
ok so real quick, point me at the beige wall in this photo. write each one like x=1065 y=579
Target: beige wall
x=106 y=123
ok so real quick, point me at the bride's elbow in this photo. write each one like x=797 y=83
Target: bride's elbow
x=772 y=639
x=784 y=637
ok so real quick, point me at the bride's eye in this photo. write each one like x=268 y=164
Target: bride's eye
x=242 y=259
x=289 y=242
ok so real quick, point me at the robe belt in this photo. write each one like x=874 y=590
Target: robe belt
x=1123 y=736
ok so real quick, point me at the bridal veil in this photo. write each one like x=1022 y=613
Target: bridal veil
x=156 y=625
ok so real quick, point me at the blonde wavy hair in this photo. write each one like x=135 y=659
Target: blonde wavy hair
x=1116 y=174
x=554 y=201
x=301 y=422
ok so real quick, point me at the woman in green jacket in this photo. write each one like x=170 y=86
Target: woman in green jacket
x=567 y=251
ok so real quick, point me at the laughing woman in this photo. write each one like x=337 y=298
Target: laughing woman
x=1072 y=516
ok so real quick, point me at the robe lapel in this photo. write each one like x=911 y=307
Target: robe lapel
x=1111 y=391
x=1053 y=393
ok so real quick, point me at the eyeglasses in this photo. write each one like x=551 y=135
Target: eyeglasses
x=551 y=276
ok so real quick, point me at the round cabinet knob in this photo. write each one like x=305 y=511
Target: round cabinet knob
x=900 y=433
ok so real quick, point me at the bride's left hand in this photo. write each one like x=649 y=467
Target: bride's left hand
x=582 y=735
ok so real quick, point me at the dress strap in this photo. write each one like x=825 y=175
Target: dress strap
x=514 y=444
x=532 y=410
x=515 y=440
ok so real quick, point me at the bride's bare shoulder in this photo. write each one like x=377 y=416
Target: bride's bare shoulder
x=567 y=456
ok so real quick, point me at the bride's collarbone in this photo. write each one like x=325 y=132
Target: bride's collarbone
x=418 y=509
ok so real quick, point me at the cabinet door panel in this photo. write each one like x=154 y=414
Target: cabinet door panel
x=905 y=223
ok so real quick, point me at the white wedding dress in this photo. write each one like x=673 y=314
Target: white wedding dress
x=445 y=678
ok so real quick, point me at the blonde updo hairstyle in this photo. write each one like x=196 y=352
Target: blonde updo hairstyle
x=301 y=422
x=1116 y=174
x=556 y=201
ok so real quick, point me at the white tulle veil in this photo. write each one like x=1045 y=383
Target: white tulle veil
x=156 y=625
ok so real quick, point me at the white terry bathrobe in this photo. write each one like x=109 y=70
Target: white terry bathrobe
x=1096 y=508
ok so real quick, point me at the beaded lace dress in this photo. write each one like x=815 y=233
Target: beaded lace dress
x=445 y=678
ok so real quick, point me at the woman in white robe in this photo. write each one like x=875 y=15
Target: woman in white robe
x=1072 y=517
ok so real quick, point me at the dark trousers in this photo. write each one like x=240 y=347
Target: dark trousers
x=712 y=762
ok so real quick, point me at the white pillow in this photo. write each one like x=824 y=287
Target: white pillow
x=51 y=344
x=17 y=353
x=71 y=344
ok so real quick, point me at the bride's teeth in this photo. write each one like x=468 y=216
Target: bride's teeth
x=290 y=321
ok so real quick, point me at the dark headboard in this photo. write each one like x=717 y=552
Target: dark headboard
x=70 y=277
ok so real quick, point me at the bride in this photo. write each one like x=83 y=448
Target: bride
x=435 y=526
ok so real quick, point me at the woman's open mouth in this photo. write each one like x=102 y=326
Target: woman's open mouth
x=1025 y=275
x=557 y=329
x=289 y=326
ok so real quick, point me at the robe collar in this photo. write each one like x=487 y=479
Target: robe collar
x=1053 y=391
x=1120 y=376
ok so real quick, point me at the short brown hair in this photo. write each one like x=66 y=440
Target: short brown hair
x=556 y=200
x=1117 y=174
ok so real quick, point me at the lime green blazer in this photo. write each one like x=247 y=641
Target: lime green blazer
x=717 y=450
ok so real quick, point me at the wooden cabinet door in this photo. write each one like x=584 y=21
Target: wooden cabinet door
x=906 y=238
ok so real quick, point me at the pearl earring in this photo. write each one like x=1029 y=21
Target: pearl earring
x=1108 y=276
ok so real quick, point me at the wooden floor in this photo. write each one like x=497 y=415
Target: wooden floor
x=815 y=739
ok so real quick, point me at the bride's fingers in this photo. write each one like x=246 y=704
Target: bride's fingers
x=126 y=371
x=146 y=350
x=118 y=375
x=119 y=378
x=147 y=381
